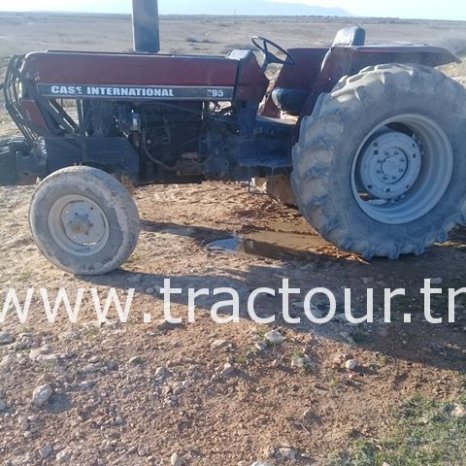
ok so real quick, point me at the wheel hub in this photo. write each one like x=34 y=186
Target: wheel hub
x=82 y=223
x=78 y=225
x=390 y=165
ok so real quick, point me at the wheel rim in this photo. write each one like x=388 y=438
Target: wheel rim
x=402 y=169
x=78 y=225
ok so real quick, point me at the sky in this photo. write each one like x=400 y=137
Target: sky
x=446 y=9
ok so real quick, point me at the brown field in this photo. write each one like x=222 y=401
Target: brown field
x=135 y=394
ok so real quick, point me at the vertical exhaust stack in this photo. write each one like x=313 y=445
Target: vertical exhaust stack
x=146 y=35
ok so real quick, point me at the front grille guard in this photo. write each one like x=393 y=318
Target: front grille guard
x=57 y=121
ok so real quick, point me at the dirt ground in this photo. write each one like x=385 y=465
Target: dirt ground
x=208 y=394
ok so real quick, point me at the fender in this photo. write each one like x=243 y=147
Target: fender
x=348 y=61
x=418 y=55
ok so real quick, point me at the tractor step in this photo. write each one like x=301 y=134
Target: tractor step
x=18 y=164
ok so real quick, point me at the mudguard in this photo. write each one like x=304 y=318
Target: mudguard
x=321 y=75
x=348 y=61
x=419 y=55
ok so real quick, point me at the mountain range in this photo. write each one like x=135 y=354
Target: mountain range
x=246 y=7
x=186 y=7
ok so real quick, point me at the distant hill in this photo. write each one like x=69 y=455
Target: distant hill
x=246 y=7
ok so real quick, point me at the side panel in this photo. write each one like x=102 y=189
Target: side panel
x=130 y=76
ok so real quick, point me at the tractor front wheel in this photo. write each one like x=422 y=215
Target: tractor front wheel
x=84 y=221
x=380 y=165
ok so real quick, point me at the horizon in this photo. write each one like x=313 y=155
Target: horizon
x=400 y=9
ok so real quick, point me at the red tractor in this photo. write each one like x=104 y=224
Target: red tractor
x=376 y=151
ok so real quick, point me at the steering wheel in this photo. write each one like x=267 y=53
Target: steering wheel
x=263 y=44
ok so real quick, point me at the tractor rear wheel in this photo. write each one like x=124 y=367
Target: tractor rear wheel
x=84 y=221
x=380 y=165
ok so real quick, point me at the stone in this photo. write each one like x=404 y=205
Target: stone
x=41 y=395
x=143 y=451
x=36 y=352
x=340 y=318
x=6 y=361
x=2 y=406
x=260 y=345
x=274 y=337
x=298 y=305
x=86 y=385
x=46 y=451
x=47 y=358
x=459 y=412
x=351 y=364
x=318 y=312
x=301 y=362
x=23 y=422
x=219 y=344
x=64 y=455
x=164 y=326
x=136 y=361
x=298 y=362
x=161 y=374
x=286 y=453
x=6 y=338
x=309 y=415
x=90 y=369
x=227 y=370
x=176 y=460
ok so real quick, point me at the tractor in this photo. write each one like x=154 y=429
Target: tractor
x=372 y=139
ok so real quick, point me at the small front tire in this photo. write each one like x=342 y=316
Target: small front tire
x=84 y=221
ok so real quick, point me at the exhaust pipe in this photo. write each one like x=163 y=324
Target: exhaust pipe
x=146 y=36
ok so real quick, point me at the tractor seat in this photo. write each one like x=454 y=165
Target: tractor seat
x=289 y=100
x=354 y=36
x=292 y=101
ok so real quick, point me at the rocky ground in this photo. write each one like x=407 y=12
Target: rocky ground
x=235 y=394
x=110 y=393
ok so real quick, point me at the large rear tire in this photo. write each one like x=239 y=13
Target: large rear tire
x=380 y=165
x=84 y=221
